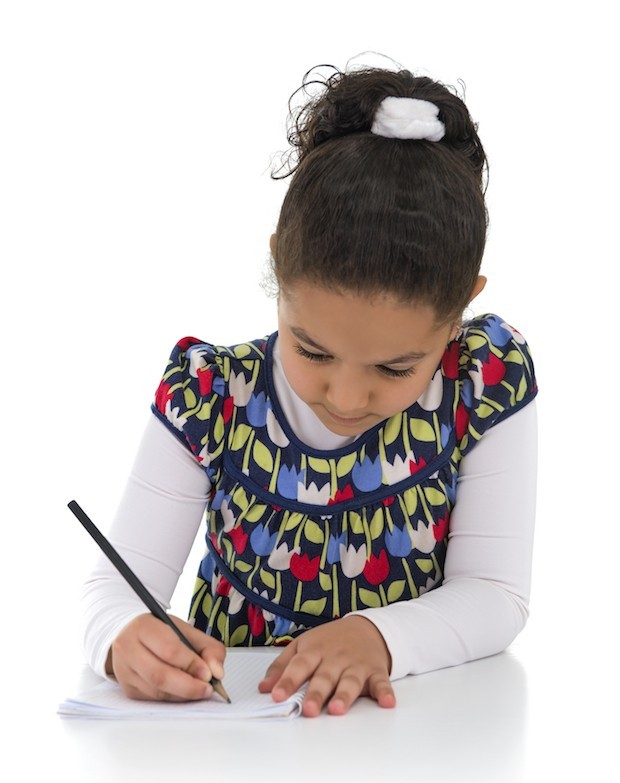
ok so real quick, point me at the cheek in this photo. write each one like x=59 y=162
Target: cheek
x=399 y=398
x=302 y=380
x=400 y=395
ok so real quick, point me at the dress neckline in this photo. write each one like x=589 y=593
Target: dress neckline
x=335 y=453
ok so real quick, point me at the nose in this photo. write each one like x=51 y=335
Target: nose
x=347 y=392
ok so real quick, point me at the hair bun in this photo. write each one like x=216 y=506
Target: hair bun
x=340 y=103
x=371 y=212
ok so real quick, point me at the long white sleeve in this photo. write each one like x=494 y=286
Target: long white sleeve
x=480 y=608
x=483 y=602
x=153 y=531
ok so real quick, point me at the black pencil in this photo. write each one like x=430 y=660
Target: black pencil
x=137 y=585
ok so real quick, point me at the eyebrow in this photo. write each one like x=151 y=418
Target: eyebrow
x=406 y=357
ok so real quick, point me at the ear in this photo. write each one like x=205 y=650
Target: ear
x=273 y=240
x=454 y=334
x=478 y=287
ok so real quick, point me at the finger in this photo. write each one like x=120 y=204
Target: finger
x=201 y=641
x=380 y=689
x=168 y=648
x=210 y=650
x=348 y=688
x=276 y=669
x=324 y=682
x=144 y=676
x=214 y=663
x=304 y=668
x=159 y=665
x=299 y=670
x=165 y=681
x=351 y=686
x=137 y=687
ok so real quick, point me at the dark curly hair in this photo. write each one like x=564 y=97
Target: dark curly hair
x=369 y=214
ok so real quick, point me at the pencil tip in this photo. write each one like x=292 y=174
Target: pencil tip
x=220 y=690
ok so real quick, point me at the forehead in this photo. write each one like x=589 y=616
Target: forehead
x=363 y=327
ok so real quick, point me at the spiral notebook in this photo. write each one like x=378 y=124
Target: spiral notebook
x=243 y=671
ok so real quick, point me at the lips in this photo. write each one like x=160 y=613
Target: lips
x=343 y=420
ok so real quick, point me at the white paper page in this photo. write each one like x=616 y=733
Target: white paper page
x=243 y=671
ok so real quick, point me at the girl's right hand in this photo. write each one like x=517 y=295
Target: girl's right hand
x=150 y=662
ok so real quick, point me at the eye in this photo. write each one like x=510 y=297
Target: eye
x=322 y=357
x=396 y=373
x=313 y=357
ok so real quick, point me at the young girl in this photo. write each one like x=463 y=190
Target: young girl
x=369 y=469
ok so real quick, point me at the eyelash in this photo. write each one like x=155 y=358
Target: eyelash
x=320 y=357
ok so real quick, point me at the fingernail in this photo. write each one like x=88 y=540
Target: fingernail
x=208 y=691
x=203 y=674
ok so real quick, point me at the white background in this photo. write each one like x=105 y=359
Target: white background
x=136 y=141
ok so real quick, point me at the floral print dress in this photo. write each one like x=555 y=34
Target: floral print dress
x=298 y=536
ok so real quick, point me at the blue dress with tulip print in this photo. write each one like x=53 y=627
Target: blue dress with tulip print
x=297 y=536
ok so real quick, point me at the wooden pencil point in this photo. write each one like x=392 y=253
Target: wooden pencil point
x=220 y=690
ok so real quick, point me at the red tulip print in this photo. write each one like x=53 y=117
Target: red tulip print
x=187 y=342
x=415 y=466
x=304 y=568
x=239 y=539
x=256 y=621
x=205 y=380
x=162 y=396
x=342 y=494
x=493 y=370
x=377 y=568
x=440 y=529
x=450 y=360
x=223 y=586
x=227 y=409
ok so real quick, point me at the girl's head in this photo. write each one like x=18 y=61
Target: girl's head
x=373 y=215
x=378 y=247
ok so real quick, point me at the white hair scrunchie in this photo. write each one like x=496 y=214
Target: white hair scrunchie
x=408 y=118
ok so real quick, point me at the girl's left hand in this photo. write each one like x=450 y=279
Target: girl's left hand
x=341 y=660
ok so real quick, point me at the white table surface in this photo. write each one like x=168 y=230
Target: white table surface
x=510 y=718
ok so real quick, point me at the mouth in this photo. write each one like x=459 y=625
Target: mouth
x=345 y=421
